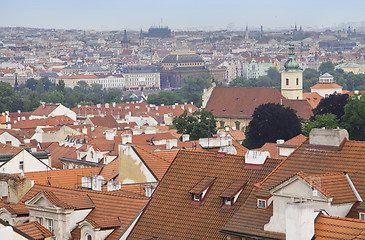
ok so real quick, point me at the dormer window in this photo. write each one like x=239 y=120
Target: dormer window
x=261 y=203
x=231 y=194
x=200 y=190
x=362 y=216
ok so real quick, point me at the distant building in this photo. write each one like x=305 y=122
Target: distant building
x=111 y=80
x=326 y=86
x=159 y=32
x=141 y=77
x=178 y=65
x=126 y=43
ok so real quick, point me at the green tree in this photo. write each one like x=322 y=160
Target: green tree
x=192 y=87
x=61 y=86
x=113 y=95
x=164 y=97
x=326 y=67
x=354 y=118
x=31 y=102
x=327 y=120
x=31 y=83
x=9 y=100
x=200 y=124
x=271 y=122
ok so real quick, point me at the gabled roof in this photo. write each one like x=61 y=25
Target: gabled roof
x=170 y=214
x=50 y=121
x=45 y=109
x=106 y=121
x=311 y=160
x=240 y=102
x=295 y=141
x=35 y=230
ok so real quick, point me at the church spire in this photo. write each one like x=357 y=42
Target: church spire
x=291 y=65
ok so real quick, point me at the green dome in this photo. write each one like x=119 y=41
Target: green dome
x=291 y=65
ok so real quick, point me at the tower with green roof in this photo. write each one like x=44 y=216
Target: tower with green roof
x=291 y=77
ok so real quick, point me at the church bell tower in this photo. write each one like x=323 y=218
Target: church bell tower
x=292 y=77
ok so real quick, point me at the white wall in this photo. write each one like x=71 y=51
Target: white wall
x=62 y=110
x=31 y=163
x=5 y=137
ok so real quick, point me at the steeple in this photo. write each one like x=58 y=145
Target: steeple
x=291 y=65
x=246 y=32
x=292 y=77
x=125 y=42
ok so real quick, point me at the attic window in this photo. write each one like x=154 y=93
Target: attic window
x=238 y=98
x=224 y=110
x=200 y=190
x=231 y=194
x=261 y=203
x=362 y=216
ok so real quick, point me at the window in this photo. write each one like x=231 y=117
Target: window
x=227 y=201
x=221 y=123
x=362 y=216
x=49 y=224
x=237 y=125
x=40 y=220
x=197 y=197
x=287 y=81
x=88 y=237
x=297 y=81
x=21 y=165
x=261 y=203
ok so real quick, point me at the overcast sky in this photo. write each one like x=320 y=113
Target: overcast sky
x=183 y=14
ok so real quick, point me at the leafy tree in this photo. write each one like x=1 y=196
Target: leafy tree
x=326 y=67
x=113 y=95
x=82 y=86
x=199 y=125
x=31 y=102
x=271 y=122
x=9 y=101
x=327 y=120
x=61 y=86
x=334 y=104
x=354 y=118
x=164 y=97
x=192 y=87
x=31 y=83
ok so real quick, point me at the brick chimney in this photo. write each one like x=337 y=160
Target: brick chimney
x=327 y=137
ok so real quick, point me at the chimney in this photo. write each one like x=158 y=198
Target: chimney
x=150 y=188
x=327 y=137
x=170 y=143
x=255 y=159
x=190 y=109
x=126 y=138
x=280 y=141
x=185 y=137
x=109 y=134
x=106 y=105
x=98 y=105
x=84 y=130
x=299 y=221
x=114 y=104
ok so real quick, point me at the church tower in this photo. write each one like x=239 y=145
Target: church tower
x=125 y=42
x=291 y=77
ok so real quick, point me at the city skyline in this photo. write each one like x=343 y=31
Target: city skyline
x=183 y=15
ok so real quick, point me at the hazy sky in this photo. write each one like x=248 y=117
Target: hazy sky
x=183 y=14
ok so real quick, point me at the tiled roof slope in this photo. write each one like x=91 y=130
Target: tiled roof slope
x=58 y=152
x=35 y=230
x=295 y=141
x=313 y=98
x=45 y=110
x=63 y=177
x=50 y=121
x=325 y=86
x=240 y=102
x=106 y=121
x=328 y=227
x=170 y=214
x=107 y=207
x=311 y=160
x=302 y=107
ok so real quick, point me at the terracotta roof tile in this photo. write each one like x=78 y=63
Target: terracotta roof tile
x=50 y=121
x=295 y=141
x=325 y=86
x=312 y=160
x=35 y=230
x=313 y=98
x=302 y=107
x=45 y=110
x=170 y=214
x=240 y=102
x=328 y=227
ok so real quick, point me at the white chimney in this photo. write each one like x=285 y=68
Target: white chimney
x=150 y=188
x=173 y=106
x=190 y=110
x=114 y=104
x=327 y=137
x=106 y=105
x=84 y=130
x=299 y=221
x=109 y=134
x=98 y=105
x=255 y=157
x=126 y=138
x=185 y=137
x=170 y=143
x=280 y=141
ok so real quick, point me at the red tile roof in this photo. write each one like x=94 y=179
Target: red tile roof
x=302 y=107
x=313 y=98
x=311 y=160
x=106 y=121
x=328 y=227
x=45 y=109
x=35 y=230
x=240 y=102
x=50 y=121
x=58 y=152
x=326 y=86
x=170 y=214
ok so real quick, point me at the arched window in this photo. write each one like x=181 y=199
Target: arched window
x=237 y=125
x=89 y=237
